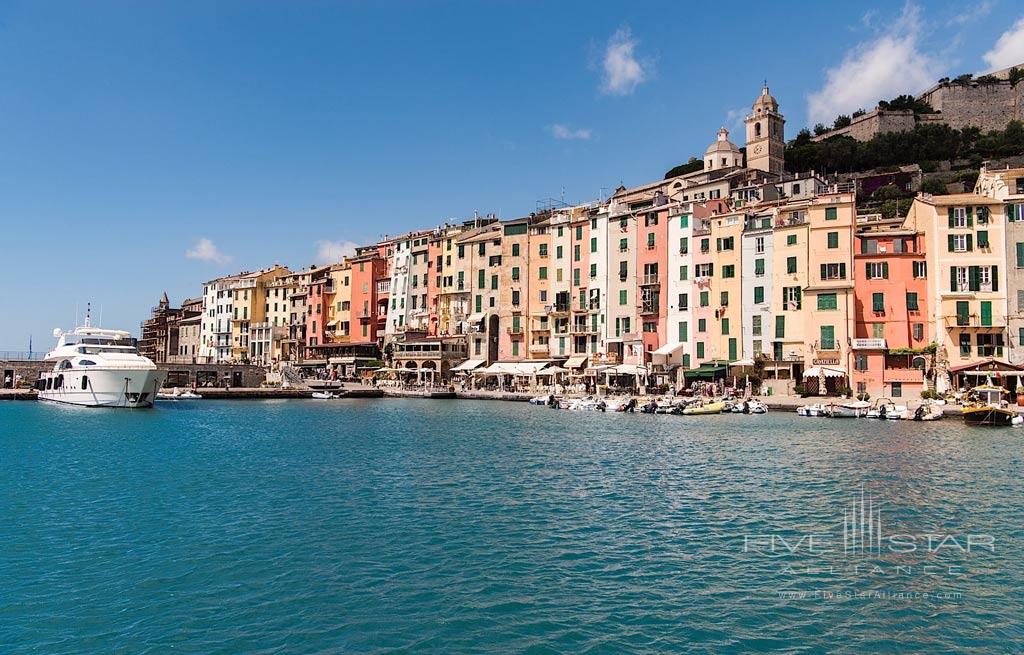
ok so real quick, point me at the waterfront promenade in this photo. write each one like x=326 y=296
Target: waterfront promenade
x=780 y=403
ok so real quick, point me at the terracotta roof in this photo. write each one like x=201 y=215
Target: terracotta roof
x=960 y=199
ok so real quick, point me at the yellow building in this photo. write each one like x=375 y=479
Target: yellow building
x=828 y=300
x=339 y=321
x=725 y=335
x=813 y=307
x=964 y=237
x=249 y=307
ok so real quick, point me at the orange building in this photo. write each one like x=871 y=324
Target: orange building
x=891 y=331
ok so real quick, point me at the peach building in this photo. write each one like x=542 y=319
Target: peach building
x=964 y=241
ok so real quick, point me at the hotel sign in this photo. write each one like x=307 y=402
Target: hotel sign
x=869 y=344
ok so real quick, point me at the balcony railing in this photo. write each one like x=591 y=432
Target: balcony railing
x=649 y=279
x=515 y=329
x=649 y=308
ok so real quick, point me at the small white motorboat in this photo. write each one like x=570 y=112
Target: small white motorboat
x=815 y=409
x=850 y=409
x=749 y=406
x=323 y=395
x=540 y=400
x=927 y=412
x=888 y=410
x=178 y=394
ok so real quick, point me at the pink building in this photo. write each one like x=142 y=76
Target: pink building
x=652 y=279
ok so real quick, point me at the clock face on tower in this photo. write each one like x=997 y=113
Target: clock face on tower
x=758 y=149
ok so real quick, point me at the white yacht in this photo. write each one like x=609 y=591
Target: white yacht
x=95 y=367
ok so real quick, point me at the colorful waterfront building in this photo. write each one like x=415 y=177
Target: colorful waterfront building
x=1007 y=186
x=757 y=255
x=678 y=349
x=513 y=292
x=652 y=283
x=965 y=246
x=371 y=289
x=892 y=332
x=480 y=252
x=319 y=296
x=726 y=293
x=538 y=294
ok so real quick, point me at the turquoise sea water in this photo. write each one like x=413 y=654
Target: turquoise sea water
x=446 y=526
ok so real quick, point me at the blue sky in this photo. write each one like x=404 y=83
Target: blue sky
x=133 y=135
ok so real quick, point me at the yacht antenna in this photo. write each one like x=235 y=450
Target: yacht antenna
x=88 y=312
x=99 y=323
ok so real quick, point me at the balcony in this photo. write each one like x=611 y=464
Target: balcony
x=649 y=308
x=515 y=330
x=541 y=328
x=558 y=308
x=973 y=321
x=539 y=348
x=650 y=280
x=911 y=375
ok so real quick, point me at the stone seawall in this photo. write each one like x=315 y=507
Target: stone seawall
x=178 y=375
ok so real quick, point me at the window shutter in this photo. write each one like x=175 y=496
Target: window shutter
x=885 y=270
x=711 y=270
x=952 y=278
x=970 y=216
x=974 y=278
x=970 y=242
x=823 y=271
x=867 y=270
x=949 y=242
x=995 y=278
x=1020 y=254
x=842 y=270
x=952 y=221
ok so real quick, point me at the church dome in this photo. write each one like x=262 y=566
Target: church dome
x=722 y=144
x=765 y=102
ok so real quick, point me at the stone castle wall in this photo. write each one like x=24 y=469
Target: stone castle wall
x=986 y=106
x=879 y=121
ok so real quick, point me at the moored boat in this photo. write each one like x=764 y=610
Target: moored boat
x=850 y=409
x=704 y=408
x=97 y=367
x=815 y=409
x=988 y=408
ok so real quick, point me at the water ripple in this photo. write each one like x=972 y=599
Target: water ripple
x=434 y=526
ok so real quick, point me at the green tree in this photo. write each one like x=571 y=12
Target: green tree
x=934 y=186
x=690 y=166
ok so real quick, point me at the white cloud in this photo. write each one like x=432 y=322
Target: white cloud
x=972 y=13
x=1009 y=48
x=560 y=131
x=329 y=252
x=204 y=250
x=875 y=70
x=735 y=119
x=622 y=71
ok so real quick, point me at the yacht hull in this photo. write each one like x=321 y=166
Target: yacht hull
x=119 y=388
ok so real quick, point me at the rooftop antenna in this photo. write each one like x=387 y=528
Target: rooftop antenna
x=88 y=314
x=99 y=323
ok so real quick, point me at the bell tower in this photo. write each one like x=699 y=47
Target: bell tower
x=766 y=142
